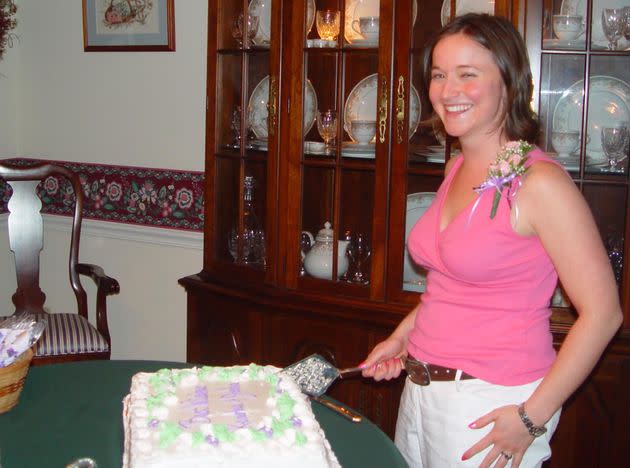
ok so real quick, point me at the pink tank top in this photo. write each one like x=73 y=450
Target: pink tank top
x=486 y=306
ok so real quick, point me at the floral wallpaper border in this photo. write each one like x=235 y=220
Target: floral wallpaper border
x=165 y=198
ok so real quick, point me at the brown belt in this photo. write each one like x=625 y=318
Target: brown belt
x=423 y=373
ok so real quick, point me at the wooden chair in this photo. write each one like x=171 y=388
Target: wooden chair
x=68 y=336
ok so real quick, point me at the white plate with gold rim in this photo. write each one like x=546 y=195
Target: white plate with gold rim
x=466 y=6
x=257 y=108
x=417 y=205
x=355 y=9
x=361 y=105
x=609 y=105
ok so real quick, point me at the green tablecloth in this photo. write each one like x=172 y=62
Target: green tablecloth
x=74 y=410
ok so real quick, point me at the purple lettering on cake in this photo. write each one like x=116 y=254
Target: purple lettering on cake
x=199 y=397
x=240 y=415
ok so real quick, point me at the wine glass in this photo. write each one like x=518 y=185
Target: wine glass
x=613 y=26
x=327 y=127
x=328 y=24
x=244 y=29
x=614 y=143
x=359 y=252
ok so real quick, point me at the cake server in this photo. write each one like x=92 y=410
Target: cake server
x=314 y=374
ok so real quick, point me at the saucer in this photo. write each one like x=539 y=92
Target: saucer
x=320 y=43
x=560 y=44
x=363 y=43
x=351 y=146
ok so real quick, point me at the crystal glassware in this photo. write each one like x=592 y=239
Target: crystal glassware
x=613 y=26
x=247 y=245
x=328 y=24
x=626 y=22
x=327 y=127
x=359 y=253
x=244 y=31
x=614 y=140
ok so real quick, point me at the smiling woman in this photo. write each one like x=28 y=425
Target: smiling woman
x=7 y=24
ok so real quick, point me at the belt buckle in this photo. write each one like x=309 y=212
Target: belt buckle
x=418 y=371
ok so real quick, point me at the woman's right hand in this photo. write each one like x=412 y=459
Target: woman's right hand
x=385 y=362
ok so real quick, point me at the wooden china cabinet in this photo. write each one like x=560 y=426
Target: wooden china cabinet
x=317 y=165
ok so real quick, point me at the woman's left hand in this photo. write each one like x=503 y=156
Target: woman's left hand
x=508 y=439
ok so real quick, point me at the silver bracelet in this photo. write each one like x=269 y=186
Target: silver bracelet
x=535 y=431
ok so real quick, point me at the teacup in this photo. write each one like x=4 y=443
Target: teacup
x=367 y=26
x=565 y=142
x=568 y=27
x=363 y=130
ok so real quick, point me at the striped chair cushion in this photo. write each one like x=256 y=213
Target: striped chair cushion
x=69 y=334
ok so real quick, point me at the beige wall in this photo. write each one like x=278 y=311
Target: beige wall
x=142 y=109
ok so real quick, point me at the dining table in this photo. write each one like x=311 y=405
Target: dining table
x=72 y=411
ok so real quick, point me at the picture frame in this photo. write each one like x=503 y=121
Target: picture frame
x=128 y=25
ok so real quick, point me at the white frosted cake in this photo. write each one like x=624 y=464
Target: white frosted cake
x=239 y=416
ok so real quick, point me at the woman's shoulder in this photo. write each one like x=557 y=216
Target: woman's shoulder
x=544 y=174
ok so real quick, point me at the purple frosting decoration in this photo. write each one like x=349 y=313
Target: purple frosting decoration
x=153 y=423
x=268 y=431
x=11 y=352
x=212 y=441
x=297 y=422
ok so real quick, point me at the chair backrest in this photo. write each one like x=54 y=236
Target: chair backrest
x=26 y=232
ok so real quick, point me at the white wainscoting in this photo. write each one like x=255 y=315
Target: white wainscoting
x=148 y=318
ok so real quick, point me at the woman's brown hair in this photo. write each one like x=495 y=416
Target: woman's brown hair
x=505 y=43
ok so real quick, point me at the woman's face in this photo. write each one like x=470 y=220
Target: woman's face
x=466 y=89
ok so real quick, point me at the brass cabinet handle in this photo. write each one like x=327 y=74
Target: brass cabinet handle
x=272 y=106
x=382 y=112
x=400 y=109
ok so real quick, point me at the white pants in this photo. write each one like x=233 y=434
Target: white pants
x=432 y=428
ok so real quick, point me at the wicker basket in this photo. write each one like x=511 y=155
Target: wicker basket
x=12 y=380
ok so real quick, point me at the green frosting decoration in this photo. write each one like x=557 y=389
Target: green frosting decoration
x=197 y=438
x=180 y=375
x=257 y=435
x=254 y=371
x=285 y=406
x=222 y=433
x=279 y=426
x=160 y=380
x=204 y=371
x=272 y=379
x=229 y=373
x=156 y=400
x=300 y=439
x=170 y=432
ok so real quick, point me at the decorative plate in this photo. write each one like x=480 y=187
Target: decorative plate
x=417 y=204
x=358 y=8
x=609 y=104
x=262 y=9
x=257 y=108
x=466 y=6
x=361 y=105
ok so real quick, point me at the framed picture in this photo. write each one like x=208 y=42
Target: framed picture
x=128 y=25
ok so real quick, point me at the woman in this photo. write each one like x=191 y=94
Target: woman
x=496 y=385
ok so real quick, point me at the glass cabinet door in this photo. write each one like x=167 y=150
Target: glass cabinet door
x=344 y=135
x=581 y=65
x=245 y=124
